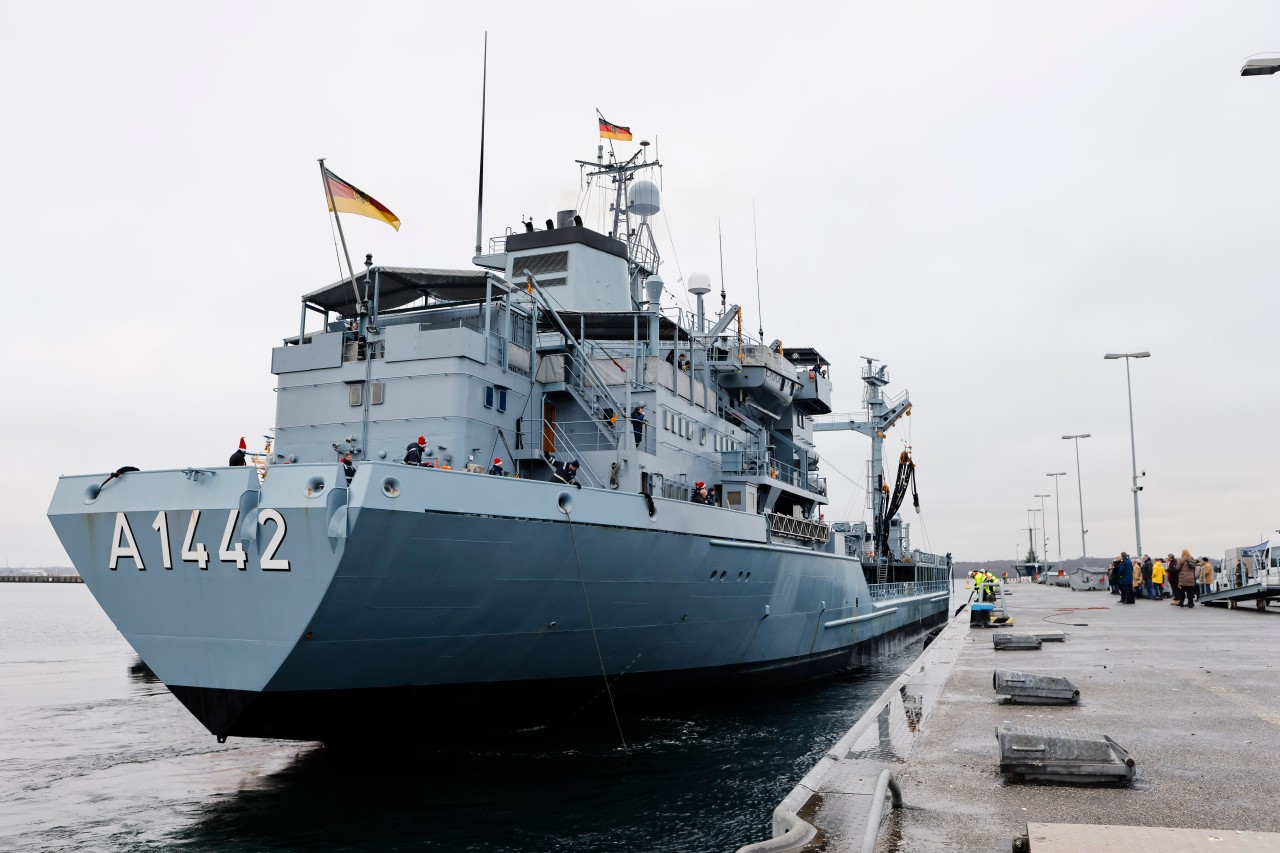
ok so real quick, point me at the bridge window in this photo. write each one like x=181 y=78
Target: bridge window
x=488 y=396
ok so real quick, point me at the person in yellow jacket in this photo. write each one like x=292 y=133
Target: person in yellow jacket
x=1157 y=579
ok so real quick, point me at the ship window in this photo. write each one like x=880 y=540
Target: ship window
x=502 y=400
x=702 y=436
x=375 y=393
x=488 y=396
x=355 y=393
x=734 y=499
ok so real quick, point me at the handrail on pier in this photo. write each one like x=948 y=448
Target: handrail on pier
x=885 y=784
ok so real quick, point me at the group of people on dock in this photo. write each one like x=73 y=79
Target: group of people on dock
x=1186 y=577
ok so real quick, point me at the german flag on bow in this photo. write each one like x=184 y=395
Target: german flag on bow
x=345 y=198
x=609 y=130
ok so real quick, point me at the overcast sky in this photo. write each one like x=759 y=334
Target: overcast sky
x=987 y=196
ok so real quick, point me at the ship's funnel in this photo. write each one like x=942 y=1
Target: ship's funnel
x=653 y=291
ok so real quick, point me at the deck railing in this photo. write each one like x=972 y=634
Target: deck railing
x=887 y=591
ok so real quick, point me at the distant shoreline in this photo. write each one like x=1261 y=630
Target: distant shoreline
x=11 y=578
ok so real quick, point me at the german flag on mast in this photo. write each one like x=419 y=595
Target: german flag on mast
x=609 y=130
x=345 y=198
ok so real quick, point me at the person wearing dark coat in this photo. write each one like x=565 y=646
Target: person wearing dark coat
x=1125 y=578
x=1148 y=591
x=1113 y=576
x=496 y=468
x=348 y=467
x=413 y=453
x=1171 y=569
x=566 y=473
x=237 y=458
x=637 y=423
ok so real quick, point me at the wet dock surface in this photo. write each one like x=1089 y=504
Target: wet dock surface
x=1192 y=694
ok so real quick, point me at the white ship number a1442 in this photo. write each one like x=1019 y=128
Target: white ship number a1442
x=230 y=549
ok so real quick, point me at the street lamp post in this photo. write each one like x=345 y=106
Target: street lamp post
x=1084 y=553
x=1044 y=531
x=1057 y=508
x=1032 y=524
x=1133 y=446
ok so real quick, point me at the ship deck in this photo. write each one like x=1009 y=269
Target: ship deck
x=1189 y=693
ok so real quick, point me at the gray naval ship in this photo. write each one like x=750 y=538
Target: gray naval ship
x=299 y=603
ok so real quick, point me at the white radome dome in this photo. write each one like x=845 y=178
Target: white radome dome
x=644 y=198
x=699 y=283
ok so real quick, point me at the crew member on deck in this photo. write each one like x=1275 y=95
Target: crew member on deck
x=637 y=423
x=566 y=473
x=496 y=470
x=348 y=467
x=237 y=458
x=413 y=453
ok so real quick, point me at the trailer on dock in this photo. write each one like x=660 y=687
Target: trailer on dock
x=1084 y=578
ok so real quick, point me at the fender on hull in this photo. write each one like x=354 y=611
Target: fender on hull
x=441 y=710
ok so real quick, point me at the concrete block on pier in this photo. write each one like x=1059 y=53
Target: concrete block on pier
x=1028 y=688
x=1007 y=641
x=1053 y=755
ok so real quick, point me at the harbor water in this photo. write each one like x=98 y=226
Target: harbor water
x=99 y=756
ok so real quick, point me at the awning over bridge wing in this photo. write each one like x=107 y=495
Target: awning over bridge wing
x=398 y=286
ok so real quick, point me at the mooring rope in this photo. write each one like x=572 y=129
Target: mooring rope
x=592 y=622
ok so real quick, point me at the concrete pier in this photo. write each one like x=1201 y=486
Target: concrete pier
x=1192 y=694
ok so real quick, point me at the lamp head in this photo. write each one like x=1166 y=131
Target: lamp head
x=1259 y=67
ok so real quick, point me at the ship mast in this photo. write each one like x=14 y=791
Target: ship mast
x=881 y=415
x=642 y=250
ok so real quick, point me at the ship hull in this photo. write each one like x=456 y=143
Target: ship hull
x=416 y=597
x=440 y=711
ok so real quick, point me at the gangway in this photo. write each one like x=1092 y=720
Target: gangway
x=1248 y=574
x=1264 y=589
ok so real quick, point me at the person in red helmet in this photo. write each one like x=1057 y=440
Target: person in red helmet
x=496 y=470
x=413 y=453
x=237 y=458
